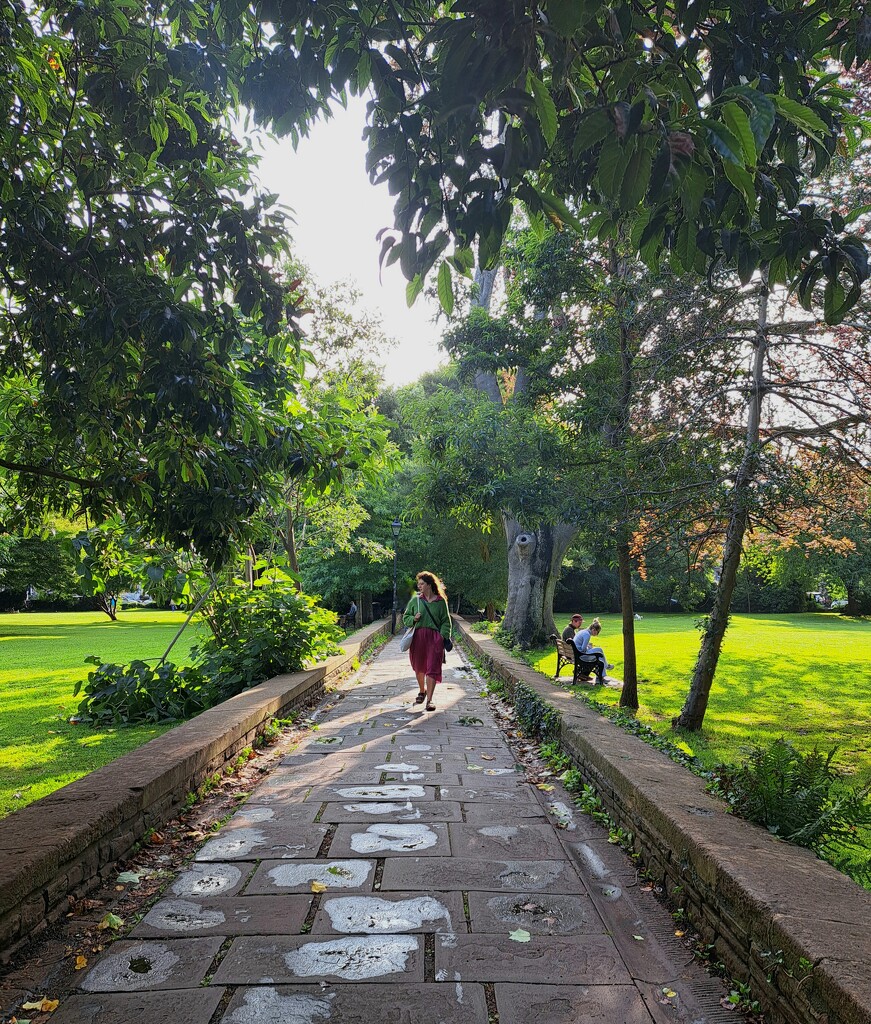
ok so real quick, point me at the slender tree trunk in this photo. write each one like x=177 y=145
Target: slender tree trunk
x=629 y=696
x=852 y=607
x=693 y=713
x=288 y=539
x=534 y=562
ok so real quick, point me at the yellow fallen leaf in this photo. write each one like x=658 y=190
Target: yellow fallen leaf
x=81 y=962
x=42 y=1004
x=669 y=993
x=545 y=787
x=679 y=933
x=318 y=887
x=487 y=757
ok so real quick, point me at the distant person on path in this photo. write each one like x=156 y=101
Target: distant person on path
x=428 y=612
x=575 y=623
x=582 y=641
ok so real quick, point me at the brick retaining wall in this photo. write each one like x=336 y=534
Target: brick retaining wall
x=65 y=844
x=768 y=909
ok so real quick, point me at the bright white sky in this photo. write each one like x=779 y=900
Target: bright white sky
x=338 y=215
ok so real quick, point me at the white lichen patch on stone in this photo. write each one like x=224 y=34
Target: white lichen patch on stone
x=411 y=776
x=563 y=814
x=499 y=771
x=267 y=1004
x=256 y=814
x=395 y=838
x=182 y=916
x=235 y=843
x=593 y=861
x=336 y=874
x=373 y=915
x=400 y=767
x=354 y=958
x=499 y=831
x=386 y=792
x=418 y=746
x=207 y=880
x=146 y=965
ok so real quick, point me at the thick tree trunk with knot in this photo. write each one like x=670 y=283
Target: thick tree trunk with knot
x=534 y=561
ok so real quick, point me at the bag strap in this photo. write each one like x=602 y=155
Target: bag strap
x=432 y=620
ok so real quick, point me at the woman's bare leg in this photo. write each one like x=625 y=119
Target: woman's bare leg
x=430 y=689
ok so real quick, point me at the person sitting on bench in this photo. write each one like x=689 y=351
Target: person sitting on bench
x=350 y=616
x=575 y=623
x=582 y=641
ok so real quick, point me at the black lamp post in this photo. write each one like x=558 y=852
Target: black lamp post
x=396 y=526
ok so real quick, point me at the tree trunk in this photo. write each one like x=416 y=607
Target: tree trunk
x=364 y=608
x=288 y=538
x=629 y=696
x=693 y=712
x=534 y=561
x=852 y=607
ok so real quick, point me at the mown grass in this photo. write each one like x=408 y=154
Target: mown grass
x=804 y=677
x=42 y=656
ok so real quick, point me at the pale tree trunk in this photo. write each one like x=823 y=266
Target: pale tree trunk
x=693 y=712
x=534 y=561
x=535 y=557
x=288 y=539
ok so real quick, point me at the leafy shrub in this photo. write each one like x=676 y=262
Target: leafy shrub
x=257 y=634
x=261 y=632
x=798 y=797
x=139 y=692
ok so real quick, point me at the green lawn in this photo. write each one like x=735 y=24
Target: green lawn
x=41 y=658
x=805 y=677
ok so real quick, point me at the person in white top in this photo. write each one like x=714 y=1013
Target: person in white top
x=583 y=641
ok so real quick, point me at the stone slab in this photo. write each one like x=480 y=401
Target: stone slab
x=200 y=881
x=390 y=914
x=147 y=965
x=489 y=794
x=297 y=876
x=489 y=776
x=543 y=960
x=341 y=958
x=233 y=915
x=422 y=777
x=266 y=841
x=357 y=1004
x=454 y=873
x=391 y=839
x=182 y=1007
x=569 y=1004
x=494 y=813
x=390 y=792
x=536 y=912
x=255 y=813
x=375 y=810
x=500 y=841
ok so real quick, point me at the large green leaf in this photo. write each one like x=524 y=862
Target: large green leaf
x=739 y=124
x=545 y=109
x=802 y=117
x=446 y=288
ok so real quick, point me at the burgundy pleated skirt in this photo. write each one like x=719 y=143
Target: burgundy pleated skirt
x=426 y=652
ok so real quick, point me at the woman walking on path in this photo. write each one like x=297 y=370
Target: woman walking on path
x=428 y=613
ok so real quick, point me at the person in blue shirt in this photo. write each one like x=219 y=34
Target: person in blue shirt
x=583 y=641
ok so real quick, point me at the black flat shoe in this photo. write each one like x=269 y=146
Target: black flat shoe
x=420 y=698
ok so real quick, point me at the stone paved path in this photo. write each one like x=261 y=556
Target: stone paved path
x=399 y=868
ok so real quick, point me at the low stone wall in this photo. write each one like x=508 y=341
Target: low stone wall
x=795 y=928
x=65 y=844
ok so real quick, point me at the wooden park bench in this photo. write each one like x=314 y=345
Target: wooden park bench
x=567 y=654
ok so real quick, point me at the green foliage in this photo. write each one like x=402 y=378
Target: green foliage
x=138 y=692
x=262 y=632
x=45 y=563
x=535 y=715
x=799 y=797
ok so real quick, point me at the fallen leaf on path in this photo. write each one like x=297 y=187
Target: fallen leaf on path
x=318 y=887
x=670 y=993
x=638 y=938
x=111 y=921
x=520 y=935
x=545 y=787
x=42 y=1004
x=487 y=757
x=156 y=839
x=81 y=962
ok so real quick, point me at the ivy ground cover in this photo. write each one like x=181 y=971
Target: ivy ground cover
x=804 y=677
x=42 y=656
